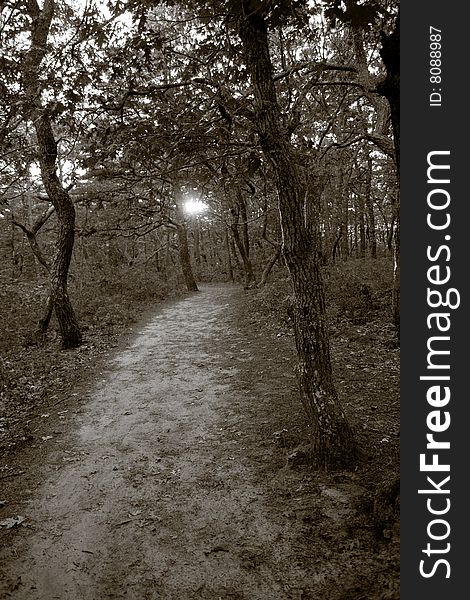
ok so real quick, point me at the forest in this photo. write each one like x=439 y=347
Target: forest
x=200 y=299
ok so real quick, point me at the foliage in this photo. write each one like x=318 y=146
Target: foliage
x=347 y=299
x=359 y=290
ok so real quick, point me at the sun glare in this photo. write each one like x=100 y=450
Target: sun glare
x=195 y=207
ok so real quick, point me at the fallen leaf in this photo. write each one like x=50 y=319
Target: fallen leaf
x=12 y=521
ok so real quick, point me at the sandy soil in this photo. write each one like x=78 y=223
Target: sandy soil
x=169 y=480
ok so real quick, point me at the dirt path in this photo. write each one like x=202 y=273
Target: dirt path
x=165 y=489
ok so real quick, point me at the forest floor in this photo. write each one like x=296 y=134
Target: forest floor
x=171 y=469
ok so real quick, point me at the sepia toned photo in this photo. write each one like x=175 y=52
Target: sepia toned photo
x=200 y=299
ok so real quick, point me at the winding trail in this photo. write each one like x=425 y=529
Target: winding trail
x=157 y=493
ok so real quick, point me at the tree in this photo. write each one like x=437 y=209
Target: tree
x=287 y=134
x=40 y=116
x=291 y=132
x=183 y=247
x=359 y=18
x=332 y=437
x=390 y=88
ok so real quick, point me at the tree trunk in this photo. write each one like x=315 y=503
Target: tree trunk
x=243 y=214
x=344 y=243
x=336 y=243
x=269 y=267
x=197 y=248
x=235 y=255
x=31 y=234
x=167 y=260
x=182 y=236
x=28 y=208
x=390 y=88
x=47 y=154
x=44 y=321
x=68 y=324
x=242 y=244
x=185 y=258
x=332 y=439
x=249 y=276
x=361 y=243
x=370 y=211
x=228 y=258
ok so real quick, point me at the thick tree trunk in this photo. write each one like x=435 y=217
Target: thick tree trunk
x=68 y=324
x=47 y=154
x=44 y=321
x=332 y=439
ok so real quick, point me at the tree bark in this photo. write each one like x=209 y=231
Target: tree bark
x=235 y=255
x=361 y=246
x=344 y=242
x=167 y=260
x=44 y=321
x=269 y=267
x=47 y=152
x=242 y=243
x=336 y=243
x=68 y=324
x=333 y=443
x=370 y=211
x=32 y=239
x=228 y=258
x=244 y=224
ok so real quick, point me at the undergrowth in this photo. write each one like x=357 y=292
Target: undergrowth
x=356 y=291
x=365 y=362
